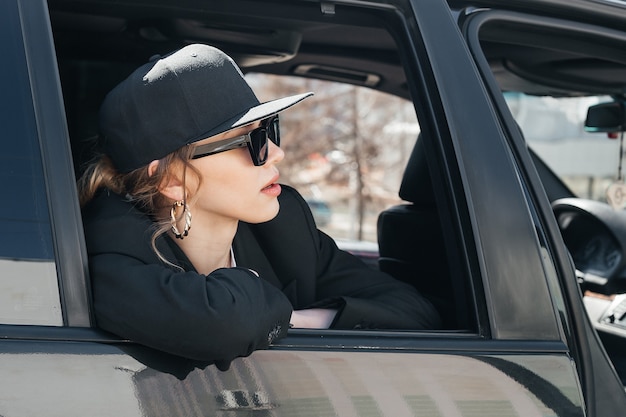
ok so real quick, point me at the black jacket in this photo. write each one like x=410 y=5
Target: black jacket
x=232 y=312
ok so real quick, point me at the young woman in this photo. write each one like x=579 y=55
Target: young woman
x=185 y=134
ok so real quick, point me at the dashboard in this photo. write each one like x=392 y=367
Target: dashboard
x=593 y=248
x=595 y=235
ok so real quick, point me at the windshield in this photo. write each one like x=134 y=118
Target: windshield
x=554 y=129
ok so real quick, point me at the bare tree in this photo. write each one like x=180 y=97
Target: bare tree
x=341 y=140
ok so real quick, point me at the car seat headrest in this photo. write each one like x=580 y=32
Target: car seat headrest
x=416 y=186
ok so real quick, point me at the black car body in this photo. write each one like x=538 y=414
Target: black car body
x=518 y=338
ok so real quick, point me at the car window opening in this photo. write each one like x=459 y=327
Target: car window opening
x=374 y=197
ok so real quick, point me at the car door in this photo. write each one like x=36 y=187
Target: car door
x=514 y=359
x=602 y=389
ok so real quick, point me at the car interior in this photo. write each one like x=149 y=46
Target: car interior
x=95 y=51
x=99 y=45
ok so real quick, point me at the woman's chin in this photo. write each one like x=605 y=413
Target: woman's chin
x=265 y=215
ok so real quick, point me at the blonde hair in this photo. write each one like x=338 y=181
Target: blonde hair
x=139 y=185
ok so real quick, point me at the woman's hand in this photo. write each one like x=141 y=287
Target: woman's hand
x=313 y=318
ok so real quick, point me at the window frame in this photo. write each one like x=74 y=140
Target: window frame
x=65 y=218
x=488 y=198
x=440 y=123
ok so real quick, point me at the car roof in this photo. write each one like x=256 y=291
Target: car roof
x=294 y=39
x=304 y=39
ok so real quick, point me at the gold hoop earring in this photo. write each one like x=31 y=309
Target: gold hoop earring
x=174 y=221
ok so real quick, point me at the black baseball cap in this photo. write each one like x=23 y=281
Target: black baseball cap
x=191 y=94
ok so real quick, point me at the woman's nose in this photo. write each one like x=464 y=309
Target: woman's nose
x=275 y=153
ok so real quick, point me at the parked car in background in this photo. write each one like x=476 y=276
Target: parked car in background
x=321 y=211
x=525 y=269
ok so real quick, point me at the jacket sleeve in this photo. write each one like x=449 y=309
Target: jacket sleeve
x=215 y=317
x=329 y=277
x=367 y=298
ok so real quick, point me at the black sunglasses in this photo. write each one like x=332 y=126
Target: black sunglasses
x=255 y=140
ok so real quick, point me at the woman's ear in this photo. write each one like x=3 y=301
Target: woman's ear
x=152 y=167
x=171 y=185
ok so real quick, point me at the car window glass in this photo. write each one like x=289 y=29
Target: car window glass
x=28 y=284
x=346 y=151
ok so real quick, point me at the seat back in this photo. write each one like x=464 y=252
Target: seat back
x=410 y=239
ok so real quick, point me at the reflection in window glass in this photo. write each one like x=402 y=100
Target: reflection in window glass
x=28 y=293
x=28 y=282
x=24 y=221
x=345 y=150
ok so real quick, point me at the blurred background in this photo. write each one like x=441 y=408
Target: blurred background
x=345 y=150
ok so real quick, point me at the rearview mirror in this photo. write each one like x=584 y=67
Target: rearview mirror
x=606 y=117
